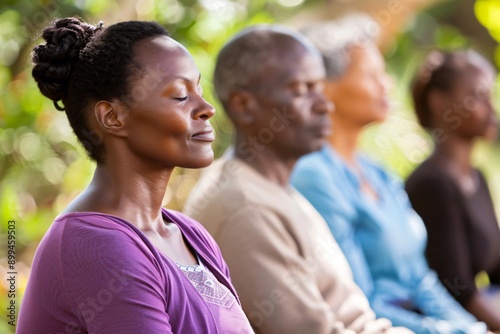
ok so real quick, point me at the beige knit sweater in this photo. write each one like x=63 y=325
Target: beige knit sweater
x=288 y=270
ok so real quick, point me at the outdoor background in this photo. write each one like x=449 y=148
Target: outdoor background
x=42 y=167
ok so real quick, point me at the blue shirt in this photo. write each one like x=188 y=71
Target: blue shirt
x=383 y=240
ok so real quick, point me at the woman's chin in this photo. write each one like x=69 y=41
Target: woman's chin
x=199 y=163
x=207 y=163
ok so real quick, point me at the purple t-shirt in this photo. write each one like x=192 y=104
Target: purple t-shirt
x=97 y=273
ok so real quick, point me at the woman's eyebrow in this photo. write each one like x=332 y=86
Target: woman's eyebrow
x=183 y=78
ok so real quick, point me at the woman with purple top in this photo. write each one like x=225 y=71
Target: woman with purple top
x=115 y=261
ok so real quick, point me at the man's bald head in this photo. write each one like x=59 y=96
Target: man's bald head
x=245 y=61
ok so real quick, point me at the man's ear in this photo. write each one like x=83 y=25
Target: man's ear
x=242 y=107
x=111 y=117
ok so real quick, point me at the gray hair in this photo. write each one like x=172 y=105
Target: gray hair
x=251 y=52
x=336 y=39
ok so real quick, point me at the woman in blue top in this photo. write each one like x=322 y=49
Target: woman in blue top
x=367 y=209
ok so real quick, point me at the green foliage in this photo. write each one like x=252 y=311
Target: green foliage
x=400 y=143
x=42 y=167
x=487 y=12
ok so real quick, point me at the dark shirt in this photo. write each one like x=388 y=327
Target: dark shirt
x=463 y=232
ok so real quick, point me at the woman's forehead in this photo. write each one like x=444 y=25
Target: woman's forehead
x=157 y=48
x=165 y=58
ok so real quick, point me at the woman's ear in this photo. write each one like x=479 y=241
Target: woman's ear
x=111 y=117
x=242 y=107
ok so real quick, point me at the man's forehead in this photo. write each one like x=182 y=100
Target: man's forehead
x=295 y=65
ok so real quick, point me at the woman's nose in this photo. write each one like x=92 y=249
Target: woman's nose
x=205 y=110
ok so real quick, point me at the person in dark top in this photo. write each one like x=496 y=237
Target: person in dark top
x=452 y=99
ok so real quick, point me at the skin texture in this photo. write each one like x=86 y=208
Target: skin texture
x=293 y=89
x=360 y=98
x=163 y=124
x=169 y=107
x=461 y=116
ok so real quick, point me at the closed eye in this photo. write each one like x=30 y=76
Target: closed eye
x=180 y=98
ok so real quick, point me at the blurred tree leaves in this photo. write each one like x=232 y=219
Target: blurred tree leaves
x=488 y=12
x=42 y=167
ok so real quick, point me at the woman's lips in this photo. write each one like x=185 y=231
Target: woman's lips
x=207 y=136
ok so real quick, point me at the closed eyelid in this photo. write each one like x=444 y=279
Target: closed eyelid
x=175 y=87
x=304 y=87
x=316 y=84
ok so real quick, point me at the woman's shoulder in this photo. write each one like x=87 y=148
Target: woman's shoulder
x=429 y=174
x=316 y=165
x=83 y=235
x=431 y=183
x=369 y=162
x=322 y=156
x=377 y=171
x=95 y=240
x=89 y=225
x=86 y=242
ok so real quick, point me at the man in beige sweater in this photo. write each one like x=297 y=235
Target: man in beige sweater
x=288 y=270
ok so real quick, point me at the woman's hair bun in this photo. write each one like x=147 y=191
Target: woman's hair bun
x=53 y=61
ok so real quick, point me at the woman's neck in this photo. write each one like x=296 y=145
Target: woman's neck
x=129 y=191
x=454 y=154
x=344 y=139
